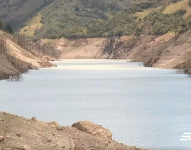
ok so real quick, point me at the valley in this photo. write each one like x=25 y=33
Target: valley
x=124 y=64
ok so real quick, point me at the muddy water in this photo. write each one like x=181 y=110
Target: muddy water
x=146 y=107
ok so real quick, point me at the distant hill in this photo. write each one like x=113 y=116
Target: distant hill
x=97 y=18
x=16 y=12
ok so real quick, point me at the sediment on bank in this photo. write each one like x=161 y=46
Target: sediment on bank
x=18 y=55
x=18 y=133
x=166 y=51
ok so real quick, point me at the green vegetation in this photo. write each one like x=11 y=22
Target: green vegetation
x=163 y=23
x=176 y=6
x=1 y=24
x=74 y=18
x=17 y=12
x=32 y=25
x=8 y=29
x=145 y=4
x=103 y=18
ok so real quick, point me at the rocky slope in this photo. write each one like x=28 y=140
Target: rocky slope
x=165 y=51
x=15 y=60
x=18 y=133
x=84 y=48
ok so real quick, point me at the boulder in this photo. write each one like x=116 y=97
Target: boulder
x=54 y=124
x=34 y=119
x=1 y=139
x=91 y=128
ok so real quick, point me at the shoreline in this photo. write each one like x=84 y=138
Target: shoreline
x=18 y=75
x=30 y=134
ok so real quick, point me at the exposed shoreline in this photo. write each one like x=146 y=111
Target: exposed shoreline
x=15 y=60
x=18 y=133
x=164 y=51
x=154 y=51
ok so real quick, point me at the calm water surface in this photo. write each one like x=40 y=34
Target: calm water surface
x=146 y=107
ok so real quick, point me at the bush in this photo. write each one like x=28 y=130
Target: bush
x=1 y=24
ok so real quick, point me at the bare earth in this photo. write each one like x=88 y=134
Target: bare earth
x=17 y=133
x=85 y=48
x=30 y=60
x=165 y=51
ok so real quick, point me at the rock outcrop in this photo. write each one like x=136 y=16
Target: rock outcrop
x=96 y=130
x=18 y=133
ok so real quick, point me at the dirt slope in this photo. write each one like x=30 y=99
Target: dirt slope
x=17 y=133
x=165 y=51
x=85 y=48
x=15 y=60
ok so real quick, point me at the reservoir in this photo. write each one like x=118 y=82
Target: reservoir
x=143 y=107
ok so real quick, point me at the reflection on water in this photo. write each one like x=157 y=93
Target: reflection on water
x=146 y=107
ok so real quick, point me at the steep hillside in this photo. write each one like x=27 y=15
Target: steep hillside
x=84 y=48
x=90 y=18
x=96 y=18
x=17 y=56
x=166 y=51
x=158 y=20
x=72 y=17
x=16 y=12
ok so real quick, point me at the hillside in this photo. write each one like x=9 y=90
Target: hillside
x=18 y=56
x=85 y=18
x=89 y=29
x=16 y=12
x=96 y=18
x=72 y=17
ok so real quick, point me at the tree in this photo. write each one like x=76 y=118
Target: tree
x=1 y=24
x=9 y=29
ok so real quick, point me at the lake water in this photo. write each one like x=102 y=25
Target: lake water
x=143 y=107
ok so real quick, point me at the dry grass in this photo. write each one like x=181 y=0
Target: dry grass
x=32 y=26
x=144 y=13
x=188 y=13
x=177 y=6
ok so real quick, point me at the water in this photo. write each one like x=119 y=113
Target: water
x=146 y=107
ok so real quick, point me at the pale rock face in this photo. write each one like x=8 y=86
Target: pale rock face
x=54 y=124
x=96 y=130
x=26 y=147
